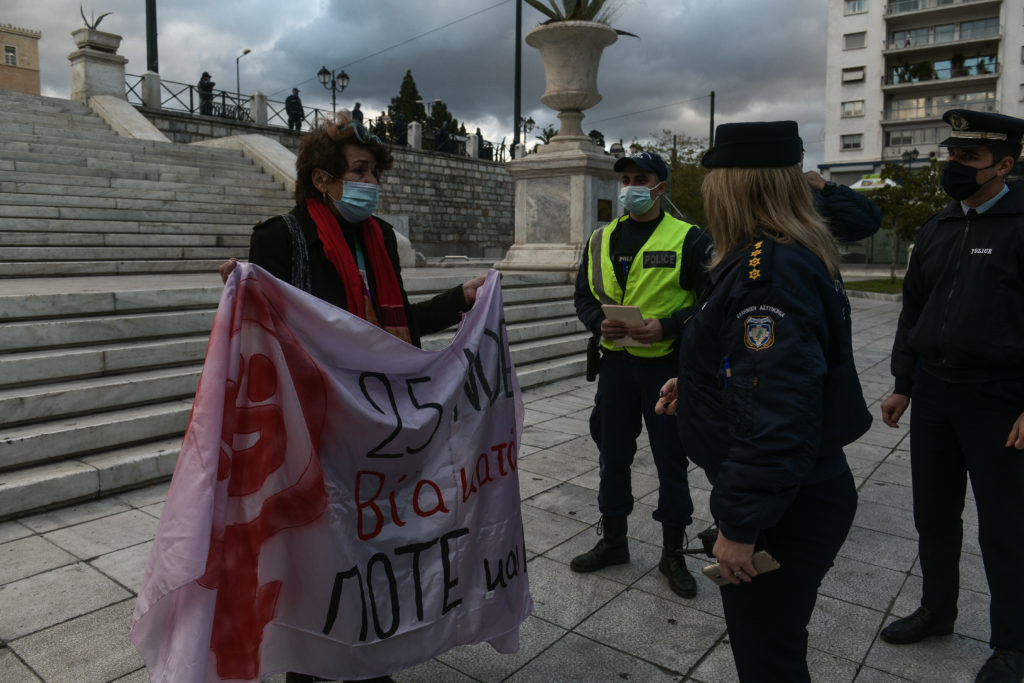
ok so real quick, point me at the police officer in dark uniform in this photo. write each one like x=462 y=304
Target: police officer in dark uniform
x=651 y=260
x=767 y=394
x=959 y=354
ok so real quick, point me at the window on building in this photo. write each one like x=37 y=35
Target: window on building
x=909 y=38
x=946 y=33
x=897 y=6
x=855 y=73
x=10 y=55
x=853 y=41
x=850 y=141
x=979 y=28
x=1022 y=92
x=855 y=7
x=853 y=108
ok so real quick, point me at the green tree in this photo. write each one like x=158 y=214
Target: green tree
x=546 y=133
x=682 y=154
x=908 y=204
x=407 y=102
x=439 y=115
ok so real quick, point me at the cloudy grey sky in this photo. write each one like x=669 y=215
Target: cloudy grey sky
x=764 y=60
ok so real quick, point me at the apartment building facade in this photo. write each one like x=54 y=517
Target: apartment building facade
x=894 y=67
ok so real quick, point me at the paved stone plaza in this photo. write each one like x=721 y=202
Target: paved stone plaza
x=68 y=576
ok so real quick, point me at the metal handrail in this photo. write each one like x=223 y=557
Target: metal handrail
x=901 y=6
x=943 y=74
x=934 y=111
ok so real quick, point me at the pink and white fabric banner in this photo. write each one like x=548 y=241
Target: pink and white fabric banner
x=345 y=504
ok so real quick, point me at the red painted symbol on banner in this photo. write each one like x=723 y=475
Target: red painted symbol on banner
x=256 y=417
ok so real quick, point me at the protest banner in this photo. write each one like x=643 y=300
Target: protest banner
x=345 y=504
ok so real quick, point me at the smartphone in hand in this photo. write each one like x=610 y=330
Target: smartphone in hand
x=763 y=562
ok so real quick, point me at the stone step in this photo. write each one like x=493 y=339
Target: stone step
x=33 y=269
x=67 y=225
x=68 y=481
x=72 y=240
x=34 y=183
x=17 y=122
x=113 y=253
x=62 y=154
x=227 y=205
x=17 y=101
x=46 y=144
x=60 y=400
x=149 y=170
x=552 y=370
x=38 y=367
x=85 y=213
x=61 y=332
x=75 y=436
x=85 y=130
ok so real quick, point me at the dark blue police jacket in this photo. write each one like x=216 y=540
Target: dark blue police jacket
x=768 y=389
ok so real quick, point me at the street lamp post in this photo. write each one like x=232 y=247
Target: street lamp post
x=333 y=81
x=428 y=105
x=525 y=125
x=238 y=79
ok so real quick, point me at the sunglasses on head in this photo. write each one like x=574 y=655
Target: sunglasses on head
x=364 y=136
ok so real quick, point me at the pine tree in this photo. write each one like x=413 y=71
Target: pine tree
x=407 y=101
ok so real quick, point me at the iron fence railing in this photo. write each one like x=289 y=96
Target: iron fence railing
x=184 y=97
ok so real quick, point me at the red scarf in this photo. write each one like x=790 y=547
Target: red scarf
x=389 y=293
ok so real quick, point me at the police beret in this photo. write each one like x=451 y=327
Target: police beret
x=755 y=145
x=649 y=161
x=980 y=128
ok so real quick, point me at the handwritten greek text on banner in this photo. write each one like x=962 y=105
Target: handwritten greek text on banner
x=345 y=504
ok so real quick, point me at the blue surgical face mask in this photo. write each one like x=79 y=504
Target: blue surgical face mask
x=636 y=199
x=358 y=201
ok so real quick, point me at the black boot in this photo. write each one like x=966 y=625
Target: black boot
x=673 y=562
x=612 y=549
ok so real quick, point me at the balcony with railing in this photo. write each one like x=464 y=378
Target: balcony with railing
x=973 y=69
x=902 y=42
x=900 y=7
x=933 y=108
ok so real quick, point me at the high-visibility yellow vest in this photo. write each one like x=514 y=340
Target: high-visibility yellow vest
x=652 y=282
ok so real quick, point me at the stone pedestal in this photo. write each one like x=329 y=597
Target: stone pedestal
x=151 y=90
x=258 y=108
x=415 y=133
x=563 y=193
x=96 y=68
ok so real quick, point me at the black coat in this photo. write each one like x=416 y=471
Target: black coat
x=768 y=390
x=270 y=248
x=293 y=107
x=963 y=296
x=850 y=215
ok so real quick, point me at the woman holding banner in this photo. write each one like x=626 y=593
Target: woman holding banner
x=768 y=395
x=331 y=245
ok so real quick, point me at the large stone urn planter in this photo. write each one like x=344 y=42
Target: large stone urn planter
x=569 y=187
x=96 y=39
x=571 y=52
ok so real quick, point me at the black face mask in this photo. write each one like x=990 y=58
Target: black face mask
x=959 y=181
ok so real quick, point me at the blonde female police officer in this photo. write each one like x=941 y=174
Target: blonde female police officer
x=768 y=394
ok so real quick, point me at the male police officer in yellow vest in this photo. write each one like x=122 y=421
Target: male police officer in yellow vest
x=647 y=259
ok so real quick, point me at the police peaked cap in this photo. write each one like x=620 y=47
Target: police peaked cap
x=764 y=144
x=649 y=161
x=979 y=128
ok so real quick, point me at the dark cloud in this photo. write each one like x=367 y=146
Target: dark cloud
x=764 y=60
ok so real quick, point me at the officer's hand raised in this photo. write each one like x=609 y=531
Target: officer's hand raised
x=893 y=409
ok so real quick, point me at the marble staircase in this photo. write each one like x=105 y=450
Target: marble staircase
x=108 y=288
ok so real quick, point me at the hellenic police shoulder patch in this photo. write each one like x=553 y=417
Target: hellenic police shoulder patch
x=759 y=332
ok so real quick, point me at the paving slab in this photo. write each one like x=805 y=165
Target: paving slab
x=675 y=636
x=53 y=597
x=13 y=670
x=93 y=648
x=99 y=537
x=575 y=658
x=30 y=556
